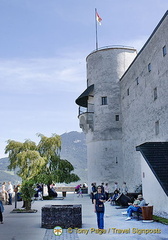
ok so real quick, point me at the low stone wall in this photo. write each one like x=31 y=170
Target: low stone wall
x=65 y=189
x=71 y=189
x=64 y=216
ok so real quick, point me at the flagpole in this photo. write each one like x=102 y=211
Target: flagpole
x=96 y=30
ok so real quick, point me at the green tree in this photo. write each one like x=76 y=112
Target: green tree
x=56 y=169
x=39 y=164
x=25 y=158
x=14 y=147
x=49 y=146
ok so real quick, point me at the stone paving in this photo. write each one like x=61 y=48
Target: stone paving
x=27 y=226
x=65 y=236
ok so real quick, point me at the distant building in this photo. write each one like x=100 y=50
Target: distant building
x=125 y=107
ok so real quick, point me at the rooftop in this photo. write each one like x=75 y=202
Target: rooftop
x=156 y=155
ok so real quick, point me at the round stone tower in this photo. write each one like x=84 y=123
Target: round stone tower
x=100 y=114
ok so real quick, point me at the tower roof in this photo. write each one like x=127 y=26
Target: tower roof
x=82 y=99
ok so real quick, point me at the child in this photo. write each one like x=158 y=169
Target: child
x=1 y=211
x=80 y=192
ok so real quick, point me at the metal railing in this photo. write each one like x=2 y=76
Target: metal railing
x=89 y=109
x=112 y=46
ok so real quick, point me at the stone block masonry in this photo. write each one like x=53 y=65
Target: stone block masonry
x=64 y=216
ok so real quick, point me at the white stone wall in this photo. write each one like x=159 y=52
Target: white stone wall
x=105 y=164
x=104 y=151
x=153 y=192
x=139 y=109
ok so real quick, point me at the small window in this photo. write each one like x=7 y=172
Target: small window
x=137 y=80
x=157 y=127
x=104 y=100
x=155 y=93
x=117 y=118
x=149 y=67
x=128 y=91
x=164 y=51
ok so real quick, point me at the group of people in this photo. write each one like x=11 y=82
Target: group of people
x=111 y=195
x=6 y=193
x=99 y=197
x=105 y=190
x=39 y=192
x=52 y=191
x=78 y=189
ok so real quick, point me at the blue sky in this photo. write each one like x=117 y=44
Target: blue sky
x=43 y=47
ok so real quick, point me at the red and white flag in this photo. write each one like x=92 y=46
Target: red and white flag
x=98 y=18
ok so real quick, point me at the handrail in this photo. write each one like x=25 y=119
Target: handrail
x=112 y=46
x=84 y=113
x=89 y=109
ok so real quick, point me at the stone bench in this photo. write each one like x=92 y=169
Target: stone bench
x=64 y=216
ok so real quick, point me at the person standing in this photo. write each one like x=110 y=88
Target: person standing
x=93 y=191
x=116 y=186
x=99 y=200
x=1 y=211
x=106 y=191
x=10 y=192
x=124 y=189
x=102 y=186
x=80 y=192
x=4 y=193
x=77 y=188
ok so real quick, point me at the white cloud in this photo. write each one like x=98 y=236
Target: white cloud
x=30 y=75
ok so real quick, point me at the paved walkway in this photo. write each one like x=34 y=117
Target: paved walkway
x=21 y=226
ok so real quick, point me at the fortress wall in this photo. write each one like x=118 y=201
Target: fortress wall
x=140 y=111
